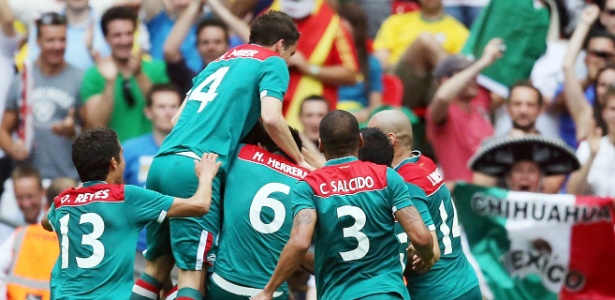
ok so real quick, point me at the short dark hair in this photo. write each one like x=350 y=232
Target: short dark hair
x=376 y=147
x=117 y=13
x=27 y=172
x=314 y=98
x=269 y=28
x=598 y=33
x=339 y=133
x=527 y=84
x=204 y=23
x=258 y=135
x=92 y=153
x=162 y=87
x=49 y=19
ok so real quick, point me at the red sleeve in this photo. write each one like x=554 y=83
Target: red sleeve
x=343 y=51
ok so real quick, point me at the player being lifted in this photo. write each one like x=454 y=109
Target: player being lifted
x=348 y=206
x=452 y=277
x=228 y=98
x=98 y=224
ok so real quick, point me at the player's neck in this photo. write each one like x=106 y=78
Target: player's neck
x=400 y=155
x=330 y=156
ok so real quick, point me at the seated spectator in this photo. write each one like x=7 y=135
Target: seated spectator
x=80 y=19
x=52 y=105
x=364 y=97
x=597 y=155
x=312 y=110
x=411 y=44
x=524 y=161
x=456 y=122
x=464 y=11
x=212 y=40
x=524 y=104
x=114 y=89
x=28 y=256
x=325 y=56
x=160 y=27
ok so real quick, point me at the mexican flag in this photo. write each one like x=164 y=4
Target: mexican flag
x=538 y=246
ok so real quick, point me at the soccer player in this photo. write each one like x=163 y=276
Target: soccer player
x=348 y=206
x=98 y=224
x=228 y=98
x=257 y=219
x=452 y=276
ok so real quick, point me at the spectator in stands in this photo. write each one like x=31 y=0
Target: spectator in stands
x=411 y=44
x=378 y=10
x=524 y=104
x=463 y=10
x=160 y=27
x=364 y=97
x=325 y=56
x=27 y=257
x=114 y=89
x=600 y=49
x=312 y=110
x=456 y=122
x=607 y=15
x=597 y=153
x=80 y=19
x=52 y=105
x=212 y=40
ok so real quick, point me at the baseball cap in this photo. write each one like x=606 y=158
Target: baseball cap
x=451 y=64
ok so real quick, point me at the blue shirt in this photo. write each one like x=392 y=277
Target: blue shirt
x=159 y=28
x=138 y=154
x=567 y=128
x=357 y=92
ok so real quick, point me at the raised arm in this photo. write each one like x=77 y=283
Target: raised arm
x=577 y=184
x=99 y=107
x=579 y=108
x=452 y=87
x=172 y=45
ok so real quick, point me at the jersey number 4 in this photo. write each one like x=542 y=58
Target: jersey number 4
x=213 y=80
x=91 y=239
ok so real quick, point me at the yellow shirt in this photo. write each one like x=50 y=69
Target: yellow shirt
x=399 y=31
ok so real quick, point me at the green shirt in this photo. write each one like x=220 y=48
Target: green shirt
x=128 y=121
x=98 y=226
x=356 y=251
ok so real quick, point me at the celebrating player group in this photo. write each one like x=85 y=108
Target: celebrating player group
x=233 y=203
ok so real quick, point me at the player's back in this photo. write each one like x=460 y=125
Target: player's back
x=355 y=248
x=257 y=220
x=97 y=227
x=452 y=275
x=224 y=103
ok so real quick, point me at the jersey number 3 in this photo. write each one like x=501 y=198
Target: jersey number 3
x=354 y=231
x=197 y=93
x=91 y=239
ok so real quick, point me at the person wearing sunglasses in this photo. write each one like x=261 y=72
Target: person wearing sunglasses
x=43 y=105
x=114 y=89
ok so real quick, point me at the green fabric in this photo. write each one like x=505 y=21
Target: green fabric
x=189 y=293
x=127 y=121
x=215 y=292
x=523 y=29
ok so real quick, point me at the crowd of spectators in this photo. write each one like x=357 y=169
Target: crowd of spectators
x=70 y=65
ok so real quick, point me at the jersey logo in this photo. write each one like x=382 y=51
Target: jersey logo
x=347 y=179
x=275 y=162
x=248 y=51
x=96 y=193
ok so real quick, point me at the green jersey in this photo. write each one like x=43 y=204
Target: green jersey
x=98 y=226
x=257 y=219
x=224 y=103
x=452 y=275
x=355 y=246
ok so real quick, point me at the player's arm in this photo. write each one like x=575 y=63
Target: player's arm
x=179 y=112
x=422 y=240
x=45 y=221
x=277 y=128
x=294 y=251
x=308 y=262
x=199 y=203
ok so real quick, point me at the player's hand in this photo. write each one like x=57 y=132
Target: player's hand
x=66 y=127
x=208 y=167
x=261 y=296
x=304 y=164
x=419 y=264
x=590 y=14
x=493 y=51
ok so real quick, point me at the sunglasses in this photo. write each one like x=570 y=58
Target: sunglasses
x=126 y=91
x=51 y=19
x=600 y=54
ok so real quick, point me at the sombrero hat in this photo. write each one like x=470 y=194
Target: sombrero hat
x=497 y=155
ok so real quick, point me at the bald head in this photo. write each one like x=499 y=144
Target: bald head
x=394 y=122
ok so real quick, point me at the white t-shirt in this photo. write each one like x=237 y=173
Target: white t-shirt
x=601 y=177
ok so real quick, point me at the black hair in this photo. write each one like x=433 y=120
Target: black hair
x=49 y=19
x=339 y=133
x=204 y=23
x=527 y=84
x=162 y=87
x=92 y=153
x=269 y=28
x=313 y=98
x=598 y=33
x=117 y=13
x=376 y=147
x=258 y=135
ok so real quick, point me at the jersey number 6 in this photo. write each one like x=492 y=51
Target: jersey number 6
x=261 y=199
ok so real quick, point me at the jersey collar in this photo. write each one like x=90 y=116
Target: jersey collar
x=416 y=154
x=341 y=160
x=93 y=182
